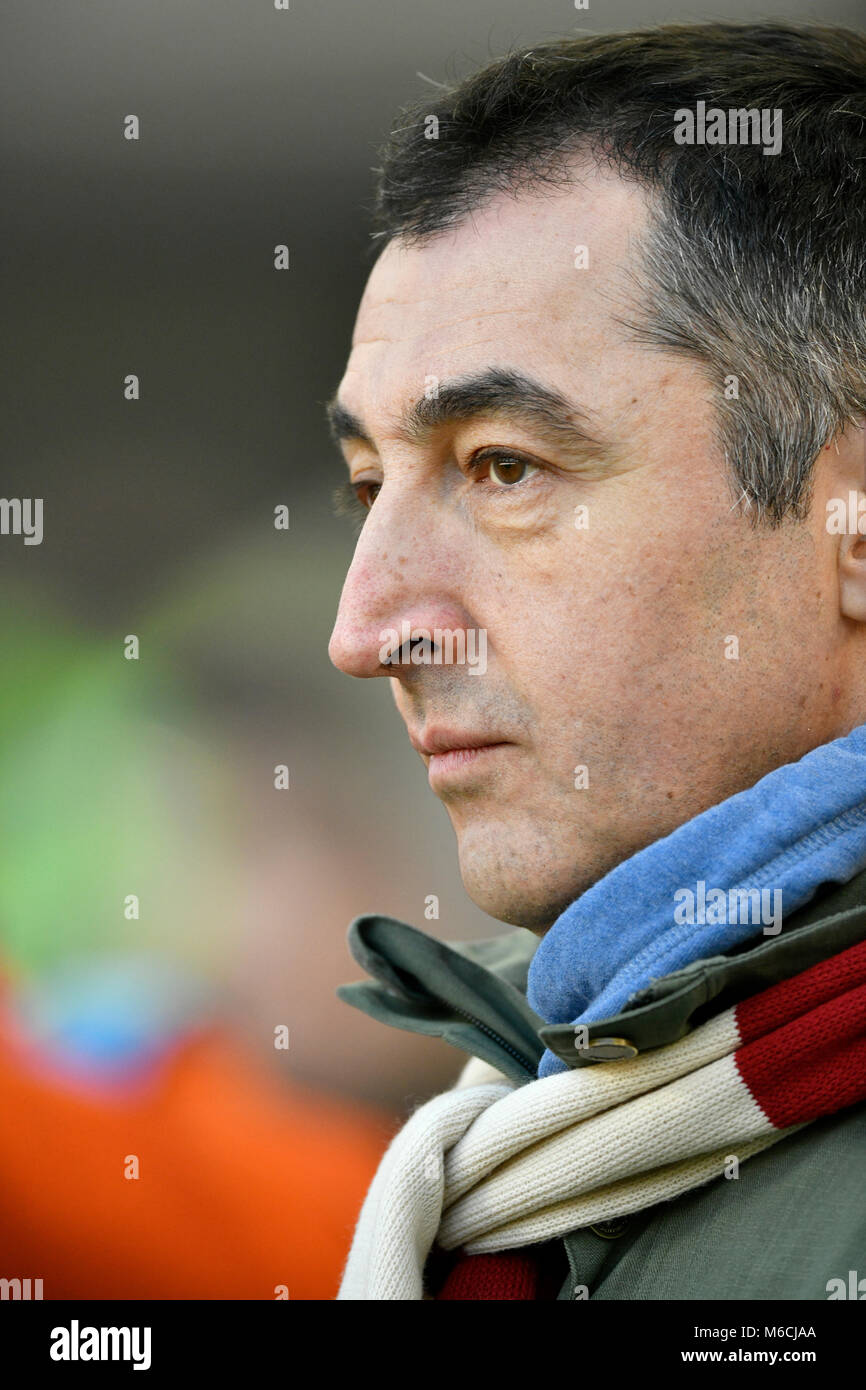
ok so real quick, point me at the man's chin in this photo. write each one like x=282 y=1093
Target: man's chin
x=518 y=891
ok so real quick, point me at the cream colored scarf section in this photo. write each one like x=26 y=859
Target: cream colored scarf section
x=489 y=1166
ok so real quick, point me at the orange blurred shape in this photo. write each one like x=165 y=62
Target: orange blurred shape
x=245 y=1185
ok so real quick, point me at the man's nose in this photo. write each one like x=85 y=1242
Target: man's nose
x=400 y=574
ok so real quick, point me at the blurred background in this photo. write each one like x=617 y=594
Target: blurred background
x=152 y=1035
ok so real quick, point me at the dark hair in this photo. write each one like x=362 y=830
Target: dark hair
x=754 y=263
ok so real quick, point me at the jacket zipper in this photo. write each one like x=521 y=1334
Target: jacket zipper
x=512 y=1051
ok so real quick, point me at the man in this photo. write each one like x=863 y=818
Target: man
x=604 y=413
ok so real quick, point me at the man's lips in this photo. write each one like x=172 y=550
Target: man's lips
x=438 y=741
x=453 y=754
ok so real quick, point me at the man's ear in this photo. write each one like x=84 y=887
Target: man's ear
x=852 y=574
x=851 y=451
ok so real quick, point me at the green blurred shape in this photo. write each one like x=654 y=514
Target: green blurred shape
x=103 y=794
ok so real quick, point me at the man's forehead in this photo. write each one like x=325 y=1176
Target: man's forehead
x=417 y=295
x=508 y=256
x=519 y=281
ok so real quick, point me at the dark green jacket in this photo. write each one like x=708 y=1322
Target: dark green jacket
x=793 y=1220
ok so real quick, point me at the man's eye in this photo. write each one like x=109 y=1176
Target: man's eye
x=354 y=500
x=366 y=493
x=504 y=470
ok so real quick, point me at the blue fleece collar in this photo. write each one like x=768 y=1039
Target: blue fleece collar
x=724 y=877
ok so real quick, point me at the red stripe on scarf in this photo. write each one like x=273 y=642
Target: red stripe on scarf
x=788 y=999
x=804 y=1052
x=510 y=1275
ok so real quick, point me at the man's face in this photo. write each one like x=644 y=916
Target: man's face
x=637 y=625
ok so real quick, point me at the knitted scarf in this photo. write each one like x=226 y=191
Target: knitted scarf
x=489 y=1166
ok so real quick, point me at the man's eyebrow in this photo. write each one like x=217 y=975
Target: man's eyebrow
x=344 y=425
x=495 y=391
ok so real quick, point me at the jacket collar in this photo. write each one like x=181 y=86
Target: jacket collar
x=473 y=993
